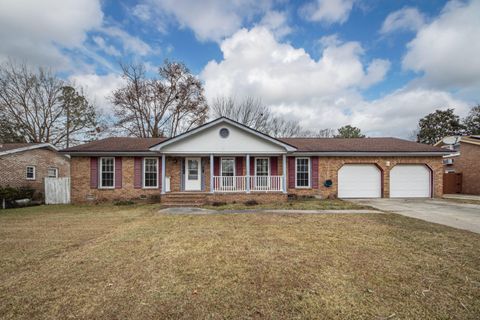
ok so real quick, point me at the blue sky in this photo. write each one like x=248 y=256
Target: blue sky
x=379 y=65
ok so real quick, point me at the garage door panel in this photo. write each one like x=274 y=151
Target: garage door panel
x=359 y=181
x=410 y=181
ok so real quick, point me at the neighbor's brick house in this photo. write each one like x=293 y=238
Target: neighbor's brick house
x=27 y=164
x=226 y=161
x=465 y=159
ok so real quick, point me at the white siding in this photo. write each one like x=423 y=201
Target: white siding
x=209 y=141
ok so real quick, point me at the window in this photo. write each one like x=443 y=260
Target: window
x=302 y=172
x=228 y=167
x=192 y=166
x=107 y=172
x=150 y=172
x=30 y=173
x=261 y=172
x=227 y=172
x=224 y=132
x=261 y=166
x=52 y=173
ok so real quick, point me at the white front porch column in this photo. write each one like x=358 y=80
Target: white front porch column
x=211 y=173
x=284 y=178
x=248 y=172
x=163 y=175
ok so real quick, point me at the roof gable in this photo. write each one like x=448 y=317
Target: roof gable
x=10 y=148
x=207 y=139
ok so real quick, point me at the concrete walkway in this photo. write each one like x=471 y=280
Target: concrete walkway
x=450 y=213
x=458 y=196
x=200 y=211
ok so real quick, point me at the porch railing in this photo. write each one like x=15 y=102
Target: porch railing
x=240 y=183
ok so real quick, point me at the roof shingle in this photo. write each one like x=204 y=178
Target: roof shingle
x=129 y=144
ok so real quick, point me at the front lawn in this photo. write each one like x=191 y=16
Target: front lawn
x=129 y=262
x=297 y=204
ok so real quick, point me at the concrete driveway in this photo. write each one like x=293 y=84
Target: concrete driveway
x=450 y=213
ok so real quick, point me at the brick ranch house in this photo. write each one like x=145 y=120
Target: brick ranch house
x=27 y=164
x=226 y=161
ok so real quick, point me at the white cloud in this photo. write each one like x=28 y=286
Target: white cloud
x=130 y=43
x=108 y=49
x=276 y=22
x=98 y=88
x=327 y=11
x=34 y=30
x=407 y=18
x=256 y=64
x=323 y=93
x=209 y=19
x=446 y=50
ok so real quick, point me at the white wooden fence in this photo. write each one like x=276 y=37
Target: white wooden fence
x=57 y=190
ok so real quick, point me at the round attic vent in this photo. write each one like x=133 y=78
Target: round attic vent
x=224 y=132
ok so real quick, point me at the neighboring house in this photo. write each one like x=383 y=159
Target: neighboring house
x=27 y=164
x=465 y=160
x=226 y=161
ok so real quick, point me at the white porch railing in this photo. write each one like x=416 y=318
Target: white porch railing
x=240 y=183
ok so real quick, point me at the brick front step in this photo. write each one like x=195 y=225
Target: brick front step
x=184 y=199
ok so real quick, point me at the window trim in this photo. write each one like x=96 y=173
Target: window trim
x=234 y=166
x=56 y=172
x=143 y=173
x=34 y=173
x=268 y=165
x=309 y=173
x=100 y=181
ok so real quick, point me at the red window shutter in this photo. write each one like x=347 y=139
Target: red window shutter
x=291 y=172
x=252 y=166
x=137 y=173
x=159 y=173
x=93 y=172
x=239 y=166
x=118 y=172
x=314 y=177
x=273 y=166
x=216 y=166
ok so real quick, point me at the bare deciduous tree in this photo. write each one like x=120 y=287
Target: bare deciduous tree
x=165 y=106
x=38 y=106
x=254 y=114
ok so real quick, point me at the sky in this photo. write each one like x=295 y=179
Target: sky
x=378 y=65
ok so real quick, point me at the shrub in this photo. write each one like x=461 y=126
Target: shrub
x=218 y=203
x=251 y=202
x=124 y=203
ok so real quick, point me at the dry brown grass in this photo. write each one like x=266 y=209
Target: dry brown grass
x=298 y=204
x=107 y=262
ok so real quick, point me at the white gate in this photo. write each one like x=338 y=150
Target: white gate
x=57 y=190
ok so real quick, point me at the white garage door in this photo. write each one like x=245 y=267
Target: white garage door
x=359 y=181
x=410 y=181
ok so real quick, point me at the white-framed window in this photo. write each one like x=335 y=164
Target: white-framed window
x=107 y=172
x=227 y=170
x=30 y=173
x=150 y=172
x=302 y=172
x=52 y=172
x=262 y=166
x=227 y=167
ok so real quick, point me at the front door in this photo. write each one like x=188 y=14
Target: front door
x=193 y=174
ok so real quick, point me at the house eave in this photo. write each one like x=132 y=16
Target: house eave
x=370 y=154
x=32 y=147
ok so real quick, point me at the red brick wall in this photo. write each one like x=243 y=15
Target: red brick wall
x=467 y=164
x=328 y=170
x=13 y=168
